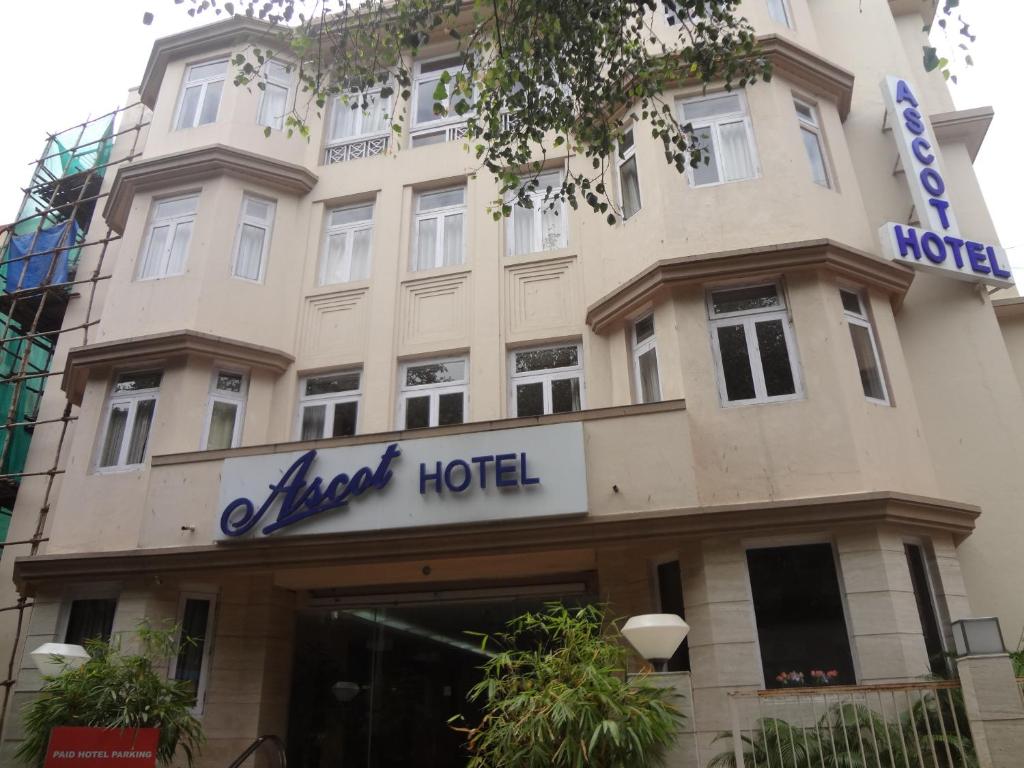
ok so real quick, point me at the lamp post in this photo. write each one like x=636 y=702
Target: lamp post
x=656 y=636
x=52 y=658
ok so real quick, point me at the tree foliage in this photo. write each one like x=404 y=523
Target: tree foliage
x=117 y=690
x=554 y=695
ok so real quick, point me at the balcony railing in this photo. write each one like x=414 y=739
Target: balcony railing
x=356 y=148
x=919 y=725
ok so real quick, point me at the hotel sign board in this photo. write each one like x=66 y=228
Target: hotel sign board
x=475 y=477
x=937 y=245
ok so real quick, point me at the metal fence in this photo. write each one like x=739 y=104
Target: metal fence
x=921 y=725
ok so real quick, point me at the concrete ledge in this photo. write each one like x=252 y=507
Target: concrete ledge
x=967 y=125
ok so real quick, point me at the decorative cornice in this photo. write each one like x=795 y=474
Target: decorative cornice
x=1008 y=308
x=198 y=164
x=198 y=42
x=809 y=71
x=156 y=348
x=787 y=258
x=266 y=556
x=967 y=125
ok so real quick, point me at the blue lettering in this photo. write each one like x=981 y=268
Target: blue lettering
x=502 y=467
x=912 y=119
x=467 y=475
x=906 y=241
x=957 y=245
x=904 y=94
x=976 y=255
x=524 y=477
x=933 y=247
x=997 y=270
x=482 y=462
x=932 y=182
x=942 y=206
x=921 y=147
x=435 y=476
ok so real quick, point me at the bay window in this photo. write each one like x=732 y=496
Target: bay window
x=128 y=420
x=346 y=253
x=439 y=229
x=201 y=93
x=429 y=127
x=542 y=226
x=433 y=394
x=329 y=405
x=546 y=380
x=722 y=132
x=225 y=410
x=165 y=247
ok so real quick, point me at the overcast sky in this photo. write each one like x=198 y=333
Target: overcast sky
x=76 y=58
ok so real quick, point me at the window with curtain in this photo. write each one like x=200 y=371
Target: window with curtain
x=276 y=89
x=753 y=344
x=359 y=114
x=810 y=134
x=724 y=136
x=253 y=240
x=90 y=619
x=629 y=181
x=645 y=361
x=201 y=92
x=546 y=380
x=541 y=226
x=865 y=347
x=433 y=393
x=225 y=410
x=329 y=405
x=428 y=126
x=195 y=635
x=165 y=246
x=347 y=241
x=129 y=418
x=439 y=229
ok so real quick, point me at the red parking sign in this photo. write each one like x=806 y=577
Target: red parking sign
x=102 y=748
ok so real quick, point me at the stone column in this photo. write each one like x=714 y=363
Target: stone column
x=995 y=709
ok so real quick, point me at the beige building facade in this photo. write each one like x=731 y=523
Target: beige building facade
x=729 y=405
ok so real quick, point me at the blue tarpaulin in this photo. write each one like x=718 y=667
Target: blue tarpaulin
x=41 y=251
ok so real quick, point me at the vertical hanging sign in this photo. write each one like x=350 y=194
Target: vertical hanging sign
x=937 y=245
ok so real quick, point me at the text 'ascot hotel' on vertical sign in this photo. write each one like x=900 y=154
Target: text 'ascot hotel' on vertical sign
x=938 y=244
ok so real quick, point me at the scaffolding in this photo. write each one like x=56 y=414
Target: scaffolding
x=51 y=255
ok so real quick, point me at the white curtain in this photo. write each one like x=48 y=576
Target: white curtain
x=211 y=102
x=360 y=267
x=179 y=248
x=274 y=106
x=453 y=239
x=115 y=435
x=334 y=261
x=522 y=230
x=649 y=385
x=313 y=418
x=153 y=257
x=552 y=226
x=250 y=252
x=222 y=425
x=140 y=431
x=736 y=157
x=426 y=242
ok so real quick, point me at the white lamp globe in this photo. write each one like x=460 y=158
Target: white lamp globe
x=656 y=636
x=53 y=658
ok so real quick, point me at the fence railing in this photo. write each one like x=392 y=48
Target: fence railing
x=354 y=149
x=920 y=725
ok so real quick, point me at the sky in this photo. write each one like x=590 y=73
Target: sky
x=78 y=58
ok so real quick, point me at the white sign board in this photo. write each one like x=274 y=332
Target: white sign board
x=469 y=478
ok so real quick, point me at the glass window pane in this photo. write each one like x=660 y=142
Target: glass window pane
x=140 y=431
x=172 y=209
x=378 y=114
x=644 y=328
x=739 y=380
x=179 y=248
x=211 y=102
x=115 y=435
x=626 y=142
x=425 y=101
x=863 y=349
x=207 y=71
x=90 y=619
x=250 y=252
x=313 y=419
x=804 y=112
x=453 y=253
x=737 y=161
x=449 y=62
x=713 y=107
x=450 y=407
x=229 y=382
x=257 y=209
x=431 y=201
x=650 y=387
x=777 y=10
x=530 y=399
x=360 y=268
x=277 y=71
x=133 y=382
x=335 y=269
x=544 y=359
x=189 y=106
x=744 y=299
x=565 y=395
x=334 y=382
x=629 y=184
x=417 y=412
x=778 y=374
x=341 y=216
x=153 y=258
x=345 y=122
x=851 y=302
x=194 y=622
x=706 y=170
x=812 y=143
x=222 y=425
x=435 y=373
x=522 y=230
x=345 y=419
x=426 y=139
x=551 y=227
x=426 y=243
x=273 y=106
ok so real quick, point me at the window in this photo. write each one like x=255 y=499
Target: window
x=779 y=12
x=200 y=99
x=629 y=182
x=546 y=380
x=925 y=598
x=801 y=624
x=274 y=102
x=753 y=345
x=645 y=361
x=329 y=405
x=364 y=114
x=670 y=600
x=433 y=393
x=129 y=420
x=253 y=238
x=225 y=411
x=864 y=347
x=810 y=132
x=439 y=229
x=90 y=619
x=541 y=227
x=191 y=664
x=428 y=76
x=346 y=255
x=165 y=249
x=721 y=129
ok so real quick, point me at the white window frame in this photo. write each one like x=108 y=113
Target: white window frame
x=811 y=123
x=545 y=376
x=440 y=214
x=863 y=319
x=776 y=7
x=350 y=230
x=433 y=391
x=131 y=400
x=338 y=108
x=641 y=348
x=233 y=398
x=204 y=85
x=282 y=79
x=749 y=319
x=418 y=77
x=537 y=214
x=204 y=664
x=329 y=399
x=621 y=158
x=172 y=222
x=715 y=125
x=267 y=225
